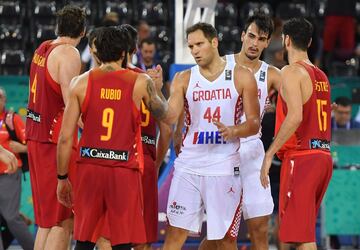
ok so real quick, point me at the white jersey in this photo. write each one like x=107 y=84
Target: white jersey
x=204 y=151
x=261 y=80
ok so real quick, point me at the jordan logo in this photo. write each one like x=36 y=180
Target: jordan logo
x=231 y=190
x=197 y=85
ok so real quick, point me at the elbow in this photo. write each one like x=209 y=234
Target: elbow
x=296 y=119
x=255 y=126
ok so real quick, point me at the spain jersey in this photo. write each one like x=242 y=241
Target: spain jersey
x=111 y=134
x=314 y=131
x=148 y=127
x=45 y=97
x=204 y=151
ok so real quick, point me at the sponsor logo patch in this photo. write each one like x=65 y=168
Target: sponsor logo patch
x=228 y=74
x=262 y=76
x=33 y=116
x=319 y=144
x=208 y=137
x=175 y=208
x=106 y=154
x=149 y=140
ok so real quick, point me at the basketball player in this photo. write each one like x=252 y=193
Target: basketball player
x=302 y=141
x=153 y=154
x=206 y=175
x=257 y=203
x=53 y=66
x=110 y=154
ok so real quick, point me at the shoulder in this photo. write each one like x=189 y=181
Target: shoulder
x=78 y=81
x=355 y=124
x=67 y=52
x=182 y=78
x=273 y=71
x=243 y=71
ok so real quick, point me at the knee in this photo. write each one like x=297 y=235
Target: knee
x=259 y=229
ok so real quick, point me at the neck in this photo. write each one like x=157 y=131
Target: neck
x=243 y=60
x=298 y=55
x=215 y=65
x=111 y=66
x=68 y=40
x=148 y=63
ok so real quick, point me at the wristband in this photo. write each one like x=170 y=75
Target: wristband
x=62 y=177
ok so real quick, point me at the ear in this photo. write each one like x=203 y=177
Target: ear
x=242 y=36
x=287 y=41
x=309 y=44
x=215 y=42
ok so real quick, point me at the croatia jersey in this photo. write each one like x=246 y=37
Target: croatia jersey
x=261 y=81
x=204 y=151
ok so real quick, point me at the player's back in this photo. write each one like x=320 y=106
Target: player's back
x=314 y=132
x=45 y=97
x=111 y=134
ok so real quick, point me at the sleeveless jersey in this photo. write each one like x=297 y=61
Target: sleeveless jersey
x=111 y=134
x=148 y=127
x=204 y=151
x=314 y=131
x=45 y=98
x=261 y=81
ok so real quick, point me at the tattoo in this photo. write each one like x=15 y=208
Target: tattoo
x=157 y=104
x=109 y=68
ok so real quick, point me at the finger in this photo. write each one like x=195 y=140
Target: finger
x=158 y=68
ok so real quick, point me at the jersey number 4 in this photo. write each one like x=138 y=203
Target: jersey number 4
x=210 y=116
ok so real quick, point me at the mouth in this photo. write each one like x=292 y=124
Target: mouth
x=253 y=50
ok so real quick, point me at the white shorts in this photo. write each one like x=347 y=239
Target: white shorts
x=191 y=196
x=257 y=201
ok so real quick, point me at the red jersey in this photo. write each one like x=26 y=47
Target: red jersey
x=148 y=127
x=111 y=134
x=45 y=98
x=314 y=131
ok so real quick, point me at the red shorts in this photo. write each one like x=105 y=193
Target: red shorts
x=150 y=192
x=108 y=203
x=43 y=175
x=304 y=178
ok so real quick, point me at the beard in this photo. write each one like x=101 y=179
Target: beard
x=251 y=58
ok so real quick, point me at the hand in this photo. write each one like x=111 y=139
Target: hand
x=227 y=132
x=8 y=159
x=264 y=173
x=64 y=193
x=17 y=147
x=157 y=76
x=334 y=106
x=177 y=141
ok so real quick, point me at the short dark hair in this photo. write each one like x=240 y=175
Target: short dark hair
x=70 y=21
x=343 y=101
x=300 y=32
x=111 y=43
x=92 y=35
x=133 y=37
x=209 y=31
x=262 y=21
x=147 y=40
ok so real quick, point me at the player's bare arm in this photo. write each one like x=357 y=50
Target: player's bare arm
x=163 y=143
x=292 y=93
x=246 y=86
x=66 y=59
x=274 y=78
x=65 y=142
